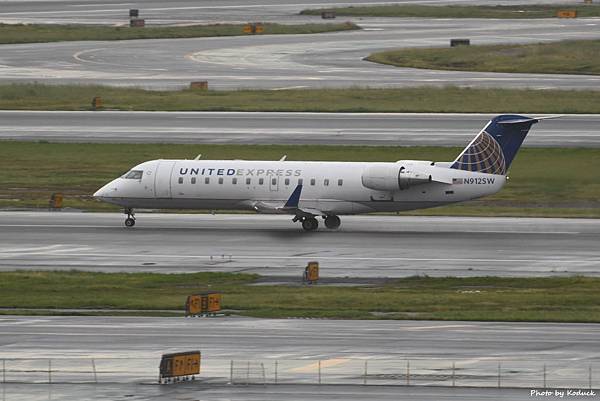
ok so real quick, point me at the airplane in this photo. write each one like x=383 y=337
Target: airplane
x=306 y=190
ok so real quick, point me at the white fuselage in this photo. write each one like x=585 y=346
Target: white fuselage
x=335 y=188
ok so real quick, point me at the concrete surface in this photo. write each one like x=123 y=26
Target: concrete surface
x=186 y=11
x=365 y=246
x=68 y=392
x=401 y=129
x=291 y=61
x=288 y=351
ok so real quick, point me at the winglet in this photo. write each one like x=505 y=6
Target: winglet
x=294 y=198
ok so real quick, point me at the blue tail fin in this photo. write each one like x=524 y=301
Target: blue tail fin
x=493 y=150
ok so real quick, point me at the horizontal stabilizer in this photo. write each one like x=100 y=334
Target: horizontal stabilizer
x=532 y=120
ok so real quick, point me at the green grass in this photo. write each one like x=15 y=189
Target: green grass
x=543 y=182
x=35 y=33
x=419 y=99
x=565 y=57
x=572 y=299
x=458 y=11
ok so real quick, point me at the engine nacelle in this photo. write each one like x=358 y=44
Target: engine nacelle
x=393 y=177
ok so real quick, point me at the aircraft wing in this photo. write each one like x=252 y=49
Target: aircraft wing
x=290 y=207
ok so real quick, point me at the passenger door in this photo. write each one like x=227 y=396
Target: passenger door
x=162 y=179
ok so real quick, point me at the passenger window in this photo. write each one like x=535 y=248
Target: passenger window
x=234 y=181
x=207 y=180
x=134 y=175
x=340 y=182
x=287 y=181
x=248 y=181
x=181 y=180
x=300 y=181
x=273 y=181
x=193 y=180
x=326 y=182
x=220 y=180
x=261 y=181
x=312 y=181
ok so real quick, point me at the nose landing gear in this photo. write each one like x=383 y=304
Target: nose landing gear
x=130 y=220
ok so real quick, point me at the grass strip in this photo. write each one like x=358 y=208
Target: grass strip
x=543 y=182
x=37 y=33
x=418 y=99
x=517 y=11
x=565 y=57
x=557 y=299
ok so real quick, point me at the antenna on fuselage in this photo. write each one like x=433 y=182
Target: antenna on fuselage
x=198 y=157
x=283 y=158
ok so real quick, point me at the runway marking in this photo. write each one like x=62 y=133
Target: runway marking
x=35 y=249
x=15 y=322
x=313 y=367
x=99 y=4
x=450 y=230
x=448 y=326
x=77 y=55
x=217 y=257
x=289 y=87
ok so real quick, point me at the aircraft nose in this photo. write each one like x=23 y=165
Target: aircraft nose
x=104 y=192
x=99 y=193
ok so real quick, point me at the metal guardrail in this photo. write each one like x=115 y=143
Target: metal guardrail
x=476 y=372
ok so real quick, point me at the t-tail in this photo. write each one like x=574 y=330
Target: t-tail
x=495 y=147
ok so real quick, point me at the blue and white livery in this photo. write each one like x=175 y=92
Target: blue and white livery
x=307 y=190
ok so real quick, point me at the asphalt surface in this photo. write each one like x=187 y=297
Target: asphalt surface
x=285 y=61
x=186 y=11
x=213 y=392
x=226 y=338
x=365 y=246
x=282 y=128
x=128 y=349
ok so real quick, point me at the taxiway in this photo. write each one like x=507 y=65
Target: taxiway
x=398 y=129
x=293 y=61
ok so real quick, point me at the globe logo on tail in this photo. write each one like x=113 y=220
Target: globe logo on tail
x=483 y=155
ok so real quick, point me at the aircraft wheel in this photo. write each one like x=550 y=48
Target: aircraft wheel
x=129 y=222
x=332 y=222
x=310 y=224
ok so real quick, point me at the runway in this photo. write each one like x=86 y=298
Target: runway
x=365 y=247
x=127 y=350
x=444 y=129
x=292 y=61
x=240 y=338
x=71 y=392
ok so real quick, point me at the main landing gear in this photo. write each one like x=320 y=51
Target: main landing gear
x=310 y=224
x=332 y=222
x=130 y=220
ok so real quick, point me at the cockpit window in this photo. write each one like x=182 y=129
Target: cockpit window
x=134 y=175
